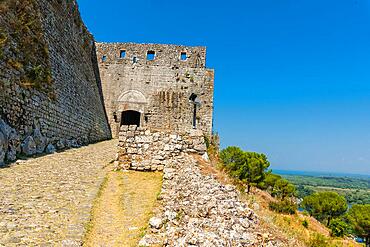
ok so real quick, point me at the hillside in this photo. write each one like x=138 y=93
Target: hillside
x=289 y=229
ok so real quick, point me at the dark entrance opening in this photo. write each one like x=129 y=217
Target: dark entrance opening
x=130 y=118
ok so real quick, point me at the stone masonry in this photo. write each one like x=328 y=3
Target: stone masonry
x=146 y=149
x=50 y=90
x=156 y=86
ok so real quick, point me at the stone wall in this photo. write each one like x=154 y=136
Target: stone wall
x=159 y=88
x=149 y=150
x=50 y=89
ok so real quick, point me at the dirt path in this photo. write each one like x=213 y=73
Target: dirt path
x=123 y=208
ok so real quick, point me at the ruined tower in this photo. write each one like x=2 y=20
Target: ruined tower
x=163 y=87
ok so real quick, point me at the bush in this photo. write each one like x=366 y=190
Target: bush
x=284 y=206
x=318 y=240
x=305 y=224
x=338 y=228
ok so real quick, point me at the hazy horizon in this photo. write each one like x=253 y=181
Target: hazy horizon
x=291 y=77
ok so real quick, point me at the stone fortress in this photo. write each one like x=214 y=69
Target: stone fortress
x=156 y=86
x=166 y=91
x=59 y=89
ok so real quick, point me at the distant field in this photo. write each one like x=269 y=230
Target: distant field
x=355 y=189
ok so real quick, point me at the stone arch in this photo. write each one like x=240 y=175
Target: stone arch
x=132 y=100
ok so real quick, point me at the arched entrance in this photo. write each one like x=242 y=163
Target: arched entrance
x=130 y=118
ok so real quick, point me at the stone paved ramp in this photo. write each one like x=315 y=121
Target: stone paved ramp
x=47 y=201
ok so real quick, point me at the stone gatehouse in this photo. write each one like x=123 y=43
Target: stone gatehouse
x=156 y=86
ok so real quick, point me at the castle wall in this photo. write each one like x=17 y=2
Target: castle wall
x=160 y=88
x=50 y=89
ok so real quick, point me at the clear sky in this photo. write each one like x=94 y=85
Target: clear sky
x=292 y=76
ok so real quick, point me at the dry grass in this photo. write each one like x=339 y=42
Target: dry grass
x=123 y=208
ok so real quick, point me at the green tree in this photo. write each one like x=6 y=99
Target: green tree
x=338 y=227
x=359 y=217
x=232 y=157
x=325 y=205
x=269 y=182
x=283 y=189
x=248 y=167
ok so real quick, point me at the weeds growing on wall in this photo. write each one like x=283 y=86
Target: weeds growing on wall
x=22 y=44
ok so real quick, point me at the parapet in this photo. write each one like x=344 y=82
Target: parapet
x=152 y=54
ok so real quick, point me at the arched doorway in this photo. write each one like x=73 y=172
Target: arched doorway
x=130 y=118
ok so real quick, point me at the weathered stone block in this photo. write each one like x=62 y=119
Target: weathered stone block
x=29 y=146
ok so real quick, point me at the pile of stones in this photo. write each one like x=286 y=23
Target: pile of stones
x=199 y=211
x=148 y=149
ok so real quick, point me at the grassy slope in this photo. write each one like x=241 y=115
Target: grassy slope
x=287 y=228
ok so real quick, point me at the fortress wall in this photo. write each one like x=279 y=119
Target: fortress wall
x=50 y=89
x=164 y=83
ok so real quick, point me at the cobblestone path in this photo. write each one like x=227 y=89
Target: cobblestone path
x=47 y=201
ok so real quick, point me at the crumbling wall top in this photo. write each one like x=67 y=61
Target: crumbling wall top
x=152 y=54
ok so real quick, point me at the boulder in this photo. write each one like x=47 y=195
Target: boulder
x=5 y=128
x=3 y=148
x=13 y=145
x=50 y=149
x=29 y=146
x=40 y=141
x=11 y=141
x=155 y=222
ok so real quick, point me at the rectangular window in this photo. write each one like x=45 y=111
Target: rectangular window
x=150 y=55
x=104 y=58
x=183 y=56
x=122 y=54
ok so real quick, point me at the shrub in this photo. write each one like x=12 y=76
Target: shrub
x=305 y=224
x=284 y=206
x=318 y=240
x=338 y=228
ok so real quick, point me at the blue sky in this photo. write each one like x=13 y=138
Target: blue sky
x=292 y=76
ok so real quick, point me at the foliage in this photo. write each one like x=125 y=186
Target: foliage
x=356 y=196
x=248 y=167
x=269 y=182
x=318 y=240
x=324 y=206
x=359 y=217
x=284 y=206
x=355 y=190
x=338 y=228
x=305 y=224
x=327 y=181
x=303 y=191
x=283 y=189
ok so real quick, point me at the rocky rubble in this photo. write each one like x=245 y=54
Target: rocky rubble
x=141 y=148
x=199 y=211
x=12 y=144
